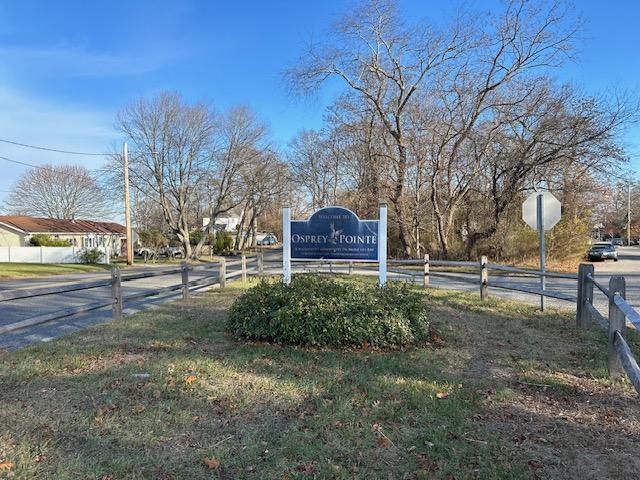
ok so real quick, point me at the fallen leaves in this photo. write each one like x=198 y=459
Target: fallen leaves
x=442 y=394
x=211 y=463
x=105 y=409
x=189 y=379
x=6 y=465
x=435 y=339
x=138 y=409
x=425 y=463
x=307 y=467
x=383 y=441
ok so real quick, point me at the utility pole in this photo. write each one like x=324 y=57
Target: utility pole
x=629 y=215
x=127 y=206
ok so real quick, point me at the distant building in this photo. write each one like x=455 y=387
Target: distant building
x=228 y=223
x=16 y=230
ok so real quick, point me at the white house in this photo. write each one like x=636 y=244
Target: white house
x=16 y=230
x=228 y=223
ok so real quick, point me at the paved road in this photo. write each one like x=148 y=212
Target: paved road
x=628 y=266
x=16 y=310
x=12 y=311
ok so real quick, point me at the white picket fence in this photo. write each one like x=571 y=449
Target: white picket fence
x=45 y=254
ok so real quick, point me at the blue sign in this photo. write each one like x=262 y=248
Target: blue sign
x=334 y=233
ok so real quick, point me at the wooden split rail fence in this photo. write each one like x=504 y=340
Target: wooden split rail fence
x=211 y=274
x=482 y=269
x=621 y=360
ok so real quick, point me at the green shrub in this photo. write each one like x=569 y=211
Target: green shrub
x=319 y=311
x=196 y=235
x=90 y=255
x=223 y=243
x=43 y=240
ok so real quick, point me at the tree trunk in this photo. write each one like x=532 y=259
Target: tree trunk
x=397 y=196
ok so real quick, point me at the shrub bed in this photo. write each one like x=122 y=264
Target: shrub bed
x=320 y=311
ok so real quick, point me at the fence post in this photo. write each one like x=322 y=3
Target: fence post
x=116 y=294
x=425 y=278
x=350 y=268
x=243 y=259
x=222 y=276
x=260 y=258
x=330 y=267
x=41 y=254
x=616 y=323
x=585 y=294
x=484 y=278
x=185 y=280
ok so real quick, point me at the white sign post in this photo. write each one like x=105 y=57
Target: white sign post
x=382 y=245
x=286 y=245
x=541 y=211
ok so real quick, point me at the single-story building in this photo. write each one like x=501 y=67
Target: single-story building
x=16 y=230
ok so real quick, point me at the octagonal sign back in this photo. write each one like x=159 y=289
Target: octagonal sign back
x=552 y=210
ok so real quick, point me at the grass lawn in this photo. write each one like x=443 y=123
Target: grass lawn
x=26 y=270
x=501 y=391
x=30 y=270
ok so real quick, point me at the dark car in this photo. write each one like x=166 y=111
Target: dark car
x=617 y=242
x=603 y=251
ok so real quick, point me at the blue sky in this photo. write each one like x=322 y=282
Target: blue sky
x=66 y=67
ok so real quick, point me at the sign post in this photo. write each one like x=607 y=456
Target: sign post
x=334 y=233
x=382 y=245
x=286 y=245
x=540 y=215
x=541 y=211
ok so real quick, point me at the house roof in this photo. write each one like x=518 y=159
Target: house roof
x=55 y=225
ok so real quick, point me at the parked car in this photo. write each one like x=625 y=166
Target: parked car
x=145 y=252
x=268 y=239
x=602 y=251
x=617 y=242
x=171 y=252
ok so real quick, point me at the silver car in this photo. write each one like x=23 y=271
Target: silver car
x=603 y=251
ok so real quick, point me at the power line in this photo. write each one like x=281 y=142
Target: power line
x=41 y=167
x=48 y=149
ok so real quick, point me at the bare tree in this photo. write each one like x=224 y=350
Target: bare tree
x=265 y=183
x=314 y=167
x=241 y=137
x=455 y=126
x=171 y=151
x=59 y=191
x=385 y=63
x=502 y=69
x=554 y=139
